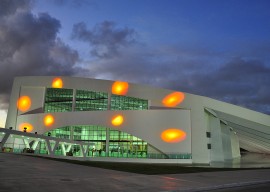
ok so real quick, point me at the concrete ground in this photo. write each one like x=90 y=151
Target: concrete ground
x=26 y=173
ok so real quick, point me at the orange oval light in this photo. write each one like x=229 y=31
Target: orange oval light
x=173 y=99
x=173 y=135
x=57 y=83
x=120 y=88
x=28 y=127
x=24 y=103
x=117 y=120
x=48 y=120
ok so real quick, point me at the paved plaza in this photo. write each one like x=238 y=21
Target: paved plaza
x=26 y=173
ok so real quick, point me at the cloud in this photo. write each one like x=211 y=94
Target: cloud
x=73 y=3
x=4 y=100
x=30 y=46
x=105 y=39
x=242 y=81
x=9 y=7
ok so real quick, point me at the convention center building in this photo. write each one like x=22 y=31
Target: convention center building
x=122 y=121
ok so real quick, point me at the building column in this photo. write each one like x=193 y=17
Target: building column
x=71 y=133
x=108 y=129
x=35 y=144
x=4 y=140
x=68 y=148
x=25 y=141
x=74 y=99
x=63 y=149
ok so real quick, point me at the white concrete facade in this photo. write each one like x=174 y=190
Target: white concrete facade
x=215 y=130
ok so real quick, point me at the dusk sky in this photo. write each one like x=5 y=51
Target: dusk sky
x=214 y=48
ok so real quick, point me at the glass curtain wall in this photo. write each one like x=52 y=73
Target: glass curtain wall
x=91 y=101
x=120 y=144
x=95 y=136
x=58 y=100
x=119 y=102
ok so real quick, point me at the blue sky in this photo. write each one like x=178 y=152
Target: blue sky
x=209 y=23
x=214 y=48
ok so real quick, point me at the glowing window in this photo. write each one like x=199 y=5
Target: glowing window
x=57 y=83
x=24 y=103
x=48 y=120
x=91 y=101
x=173 y=99
x=120 y=102
x=117 y=120
x=26 y=126
x=58 y=100
x=173 y=135
x=120 y=88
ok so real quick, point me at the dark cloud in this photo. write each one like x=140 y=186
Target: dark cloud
x=29 y=46
x=240 y=81
x=4 y=100
x=105 y=39
x=73 y=3
x=8 y=7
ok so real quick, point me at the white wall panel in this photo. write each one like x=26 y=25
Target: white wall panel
x=145 y=124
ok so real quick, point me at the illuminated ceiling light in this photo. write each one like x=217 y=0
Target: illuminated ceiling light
x=120 y=88
x=24 y=103
x=57 y=83
x=173 y=135
x=117 y=120
x=48 y=120
x=173 y=99
x=28 y=127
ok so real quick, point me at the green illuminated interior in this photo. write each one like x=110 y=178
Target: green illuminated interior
x=103 y=141
x=119 y=102
x=91 y=101
x=61 y=100
x=58 y=100
x=107 y=142
x=120 y=144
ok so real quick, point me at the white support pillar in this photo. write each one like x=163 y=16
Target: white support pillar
x=82 y=150
x=63 y=149
x=74 y=99
x=217 y=153
x=49 y=148
x=226 y=141
x=107 y=141
x=108 y=129
x=4 y=140
x=235 y=145
x=68 y=148
x=55 y=147
x=35 y=144
x=25 y=141
x=71 y=133
x=85 y=149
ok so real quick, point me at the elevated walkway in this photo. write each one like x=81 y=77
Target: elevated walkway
x=51 y=143
x=31 y=141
